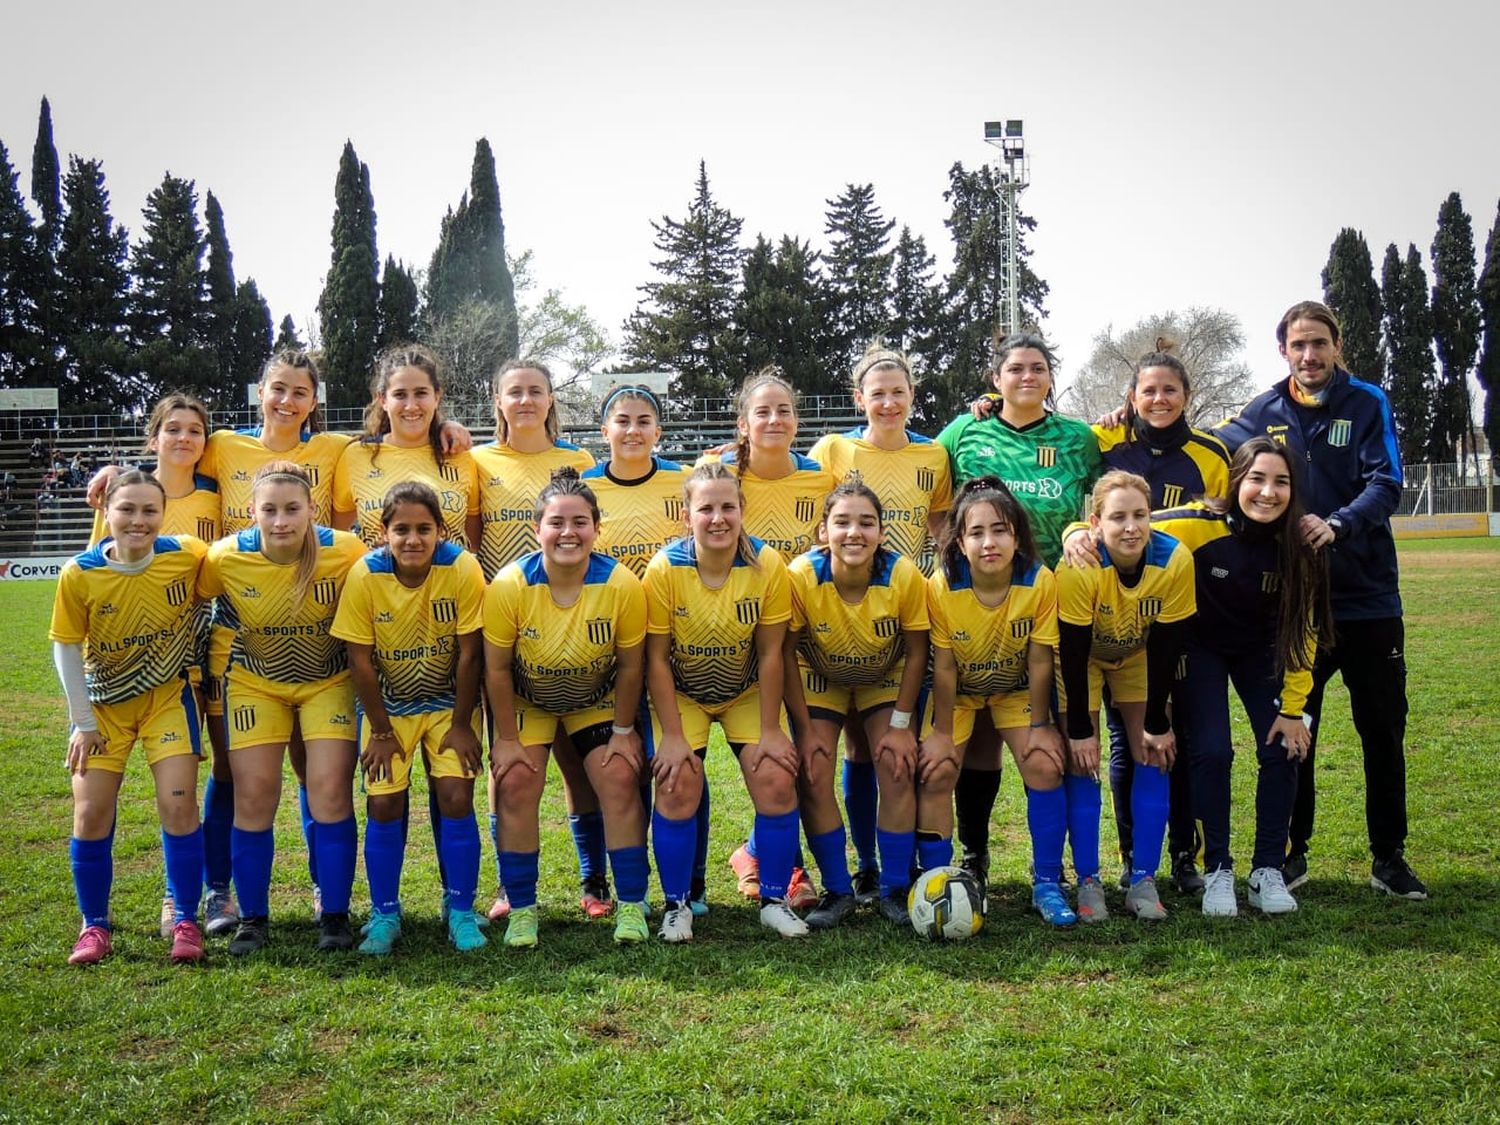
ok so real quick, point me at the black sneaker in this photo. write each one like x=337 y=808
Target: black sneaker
x=334 y=933
x=1185 y=876
x=892 y=908
x=866 y=886
x=977 y=864
x=250 y=936
x=1395 y=877
x=1124 y=870
x=1294 y=870
x=832 y=909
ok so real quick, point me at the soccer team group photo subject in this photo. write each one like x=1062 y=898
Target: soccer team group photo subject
x=871 y=624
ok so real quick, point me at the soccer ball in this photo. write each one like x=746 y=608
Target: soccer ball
x=946 y=904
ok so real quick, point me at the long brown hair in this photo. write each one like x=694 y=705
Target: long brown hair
x=552 y=423
x=163 y=410
x=769 y=376
x=289 y=472
x=396 y=358
x=297 y=360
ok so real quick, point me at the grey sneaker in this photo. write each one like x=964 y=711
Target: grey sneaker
x=1268 y=892
x=220 y=914
x=1143 y=901
x=1091 y=904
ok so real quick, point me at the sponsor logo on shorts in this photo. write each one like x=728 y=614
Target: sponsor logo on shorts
x=1339 y=431
x=1021 y=627
x=601 y=629
x=445 y=610
x=339 y=720
x=170 y=736
x=805 y=508
x=177 y=592
x=1046 y=456
x=325 y=591
x=747 y=611
x=926 y=480
x=1150 y=607
x=887 y=627
x=243 y=719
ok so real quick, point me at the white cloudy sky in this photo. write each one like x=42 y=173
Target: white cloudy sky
x=1180 y=155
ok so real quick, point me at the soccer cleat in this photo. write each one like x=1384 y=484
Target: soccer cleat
x=1218 y=894
x=317 y=903
x=381 y=932
x=168 y=915
x=1143 y=901
x=977 y=864
x=892 y=907
x=866 y=885
x=595 y=900
x=187 y=943
x=630 y=923
x=520 y=930
x=698 y=904
x=746 y=869
x=1091 y=904
x=1294 y=870
x=250 y=936
x=93 y=946
x=676 y=922
x=1268 y=892
x=500 y=907
x=464 y=932
x=777 y=914
x=832 y=909
x=334 y=934
x=220 y=914
x=1395 y=877
x=1185 y=877
x=1125 y=862
x=1050 y=902
x=800 y=892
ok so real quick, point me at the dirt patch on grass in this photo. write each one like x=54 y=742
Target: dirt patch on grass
x=611 y=1031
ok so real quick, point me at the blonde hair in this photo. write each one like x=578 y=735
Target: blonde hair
x=1115 y=481
x=552 y=423
x=717 y=471
x=878 y=357
x=289 y=472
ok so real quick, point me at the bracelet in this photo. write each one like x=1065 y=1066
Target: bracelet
x=617 y=729
x=382 y=735
x=900 y=720
x=1043 y=723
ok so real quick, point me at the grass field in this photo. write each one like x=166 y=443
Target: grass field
x=1355 y=1008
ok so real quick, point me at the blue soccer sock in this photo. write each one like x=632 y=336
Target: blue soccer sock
x=1150 y=799
x=673 y=843
x=1085 y=800
x=518 y=873
x=337 y=844
x=385 y=851
x=828 y=853
x=700 y=845
x=218 y=819
x=309 y=834
x=632 y=871
x=777 y=836
x=184 y=859
x=897 y=850
x=588 y=840
x=459 y=849
x=861 y=803
x=933 y=850
x=1047 y=817
x=252 y=854
x=93 y=876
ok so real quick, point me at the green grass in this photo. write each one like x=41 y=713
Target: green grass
x=1355 y=1008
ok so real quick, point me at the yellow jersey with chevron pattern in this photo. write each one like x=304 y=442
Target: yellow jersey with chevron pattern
x=275 y=638
x=137 y=630
x=414 y=631
x=196 y=514
x=1121 y=615
x=233 y=457
x=912 y=482
x=638 y=518
x=368 y=469
x=564 y=657
x=989 y=645
x=713 y=652
x=509 y=483
x=855 y=645
x=784 y=512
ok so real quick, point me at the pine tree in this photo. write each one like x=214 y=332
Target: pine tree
x=1349 y=289
x=19 y=274
x=398 y=304
x=1408 y=344
x=220 y=308
x=858 y=275
x=349 y=307
x=287 y=338
x=916 y=315
x=1489 y=361
x=168 y=313
x=1456 y=323
x=685 y=320
x=247 y=346
x=95 y=283
x=46 y=297
x=781 y=318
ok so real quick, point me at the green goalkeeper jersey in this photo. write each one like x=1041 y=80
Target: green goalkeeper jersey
x=1049 y=465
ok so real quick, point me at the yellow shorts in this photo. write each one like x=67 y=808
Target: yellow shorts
x=164 y=720
x=220 y=641
x=263 y=712
x=1126 y=679
x=424 y=732
x=538 y=727
x=1011 y=709
x=739 y=719
x=834 y=701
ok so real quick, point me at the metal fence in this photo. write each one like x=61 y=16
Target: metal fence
x=1449 y=489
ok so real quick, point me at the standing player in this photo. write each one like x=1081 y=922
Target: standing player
x=123 y=636
x=411 y=614
x=639 y=493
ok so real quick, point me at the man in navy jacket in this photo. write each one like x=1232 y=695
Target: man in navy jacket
x=1343 y=428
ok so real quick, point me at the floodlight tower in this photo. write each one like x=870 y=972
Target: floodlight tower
x=1014 y=175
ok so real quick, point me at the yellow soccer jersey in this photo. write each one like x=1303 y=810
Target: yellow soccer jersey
x=1121 y=616
x=196 y=514
x=911 y=482
x=713 y=631
x=414 y=632
x=367 y=470
x=990 y=645
x=640 y=517
x=784 y=512
x=233 y=457
x=564 y=657
x=509 y=483
x=137 y=629
x=273 y=639
x=855 y=645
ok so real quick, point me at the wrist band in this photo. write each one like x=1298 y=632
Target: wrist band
x=622 y=730
x=1043 y=723
x=900 y=720
x=382 y=735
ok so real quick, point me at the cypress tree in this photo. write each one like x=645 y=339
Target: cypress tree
x=46 y=297
x=1456 y=323
x=1489 y=361
x=349 y=307
x=916 y=310
x=95 y=284
x=1349 y=289
x=780 y=315
x=287 y=338
x=220 y=308
x=398 y=304
x=168 y=312
x=46 y=180
x=1408 y=344
x=858 y=281
x=19 y=275
x=247 y=345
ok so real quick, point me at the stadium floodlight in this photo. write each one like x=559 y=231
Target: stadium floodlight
x=1008 y=136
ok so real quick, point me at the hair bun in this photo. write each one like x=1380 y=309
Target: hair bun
x=1165 y=345
x=567 y=472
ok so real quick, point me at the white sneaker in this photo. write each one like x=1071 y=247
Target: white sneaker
x=1268 y=892
x=777 y=915
x=168 y=914
x=677 y=923
x=1218 y=894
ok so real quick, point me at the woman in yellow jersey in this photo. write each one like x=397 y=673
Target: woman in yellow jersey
x=123 y=636
x=411 y=614
x=639 y=493
x=911 y=475
x=278 y=586
x=1122 y=624
x=564 y=630
x=857 y=645
x=994 y=631
x=717 y=607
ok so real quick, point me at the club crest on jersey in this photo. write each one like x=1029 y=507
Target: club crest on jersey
x=448 y=472
x=243 y=719
x=804 y=508
x=445 y=610
x=1046 y=456
x=208 y=530
x=926 y=480
x=1021 y=628
x=601 y=629
x=1339 y=431
x=747 y=611
x=325 y=591
x=672 y=505
x=312 y=474
x=177 y=592
x=1150 y=607
x=1270 y=582
x=1171 y=496
x=887 y=627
